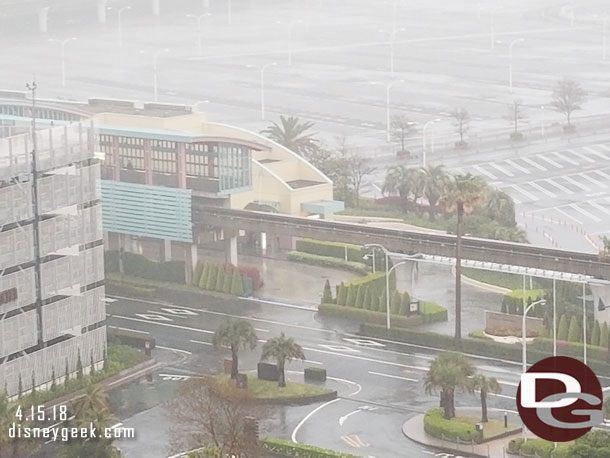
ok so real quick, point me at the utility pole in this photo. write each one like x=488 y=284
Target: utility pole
x=36 y=225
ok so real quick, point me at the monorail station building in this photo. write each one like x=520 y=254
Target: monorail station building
x=162 y=163
x=52 y=308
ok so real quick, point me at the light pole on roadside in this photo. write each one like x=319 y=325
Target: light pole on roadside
x=199 y=18
x=229 y=12
x=429 y=123
x=392 y=46
x=542 y=121
x=291 y=26
x=605 y=23
x=262 y=72
x=62 y=44
x=388 y=87
x=388 y=273
x=155 y=57
x=119 y=12
x=510 y=61
x=523 y=330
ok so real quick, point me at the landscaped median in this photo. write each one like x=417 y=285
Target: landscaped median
x=491 y=349
x=268 y=392
x=429 y=313
x=327 y=261
x=462 y=428
x=284 y=448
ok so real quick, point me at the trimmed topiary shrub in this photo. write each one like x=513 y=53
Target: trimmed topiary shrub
x=205 y=274
x=327 y=295
x=314 y=374
x=352 y=291
x=603 y=335
x=367 y=299
x=574 y=334
x=595 y=334
x=220 y=279
x=375 y=306
x=562 y=330
x=326 y=261
x=228 y=280
x=237 y=288
x=197 y=273
x=395 y=303
x=342 y=294
x=213 y=274
x=360 y=297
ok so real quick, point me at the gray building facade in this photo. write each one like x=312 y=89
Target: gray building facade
x=45 y=325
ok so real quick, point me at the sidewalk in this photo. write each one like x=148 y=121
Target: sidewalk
x=413 y=429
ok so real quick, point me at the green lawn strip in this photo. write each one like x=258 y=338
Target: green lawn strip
x=290 y=449
x=264 y=389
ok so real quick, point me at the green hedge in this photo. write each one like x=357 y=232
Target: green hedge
x=130 y=289
x=573 y=349
x=437 y=426
x=432 y=312
x=290 y=449
x=513 y=302
x=368 y=316
x=538 y=447
x=375 y=281
x=140 y=266
x=326 y=261
x=491 y=349
x=331 y=249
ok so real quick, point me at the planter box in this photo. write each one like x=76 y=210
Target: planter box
x=267 y=371
x=314 y=374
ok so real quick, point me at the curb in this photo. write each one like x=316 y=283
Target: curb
x=482 y=285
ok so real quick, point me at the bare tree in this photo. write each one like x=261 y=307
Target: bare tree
x=401 y=129
x=515 y=114
x=461 y=121
x=211 y=412
x=568 y=97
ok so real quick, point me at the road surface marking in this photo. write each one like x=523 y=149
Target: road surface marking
x=358 y=410
x=533 y=163
x=576 y=183
x=582 y=156
x=550 y=161
x=568 y=215
x=527 y=194
x=501 y=169
x=372 y=360
x=558 y=186
x=393 y=376
x=354 y=441
x=602 y=173
x=174 y=378
x=130 y=330
x=187 y=328
x=561 y=156
x=281 y=304
x=364 y=342
x=542 y=189
x=109 y=300
x=606 y=147
x=585 y=212
x=261 y=330
x=481 y=170
x=309 y=361
x=174 y=349
x=201 y=343
x=152 y=317
x=340 y=348
x=517 y=166
x=599 y=207
x=307 y=417
x=596 y=153
x=179 y=312
x=590 y=178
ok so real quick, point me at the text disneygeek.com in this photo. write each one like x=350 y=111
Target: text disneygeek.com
x=64 y=434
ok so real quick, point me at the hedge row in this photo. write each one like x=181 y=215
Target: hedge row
x=137 y=265
x=222 y=278
x=290 y=449
x=379 y=318
x=326 y=261
x=130 y=289
x=513 y=302
x=538 y=447
x=437 y=426
x=331 y=249
x=491 y=349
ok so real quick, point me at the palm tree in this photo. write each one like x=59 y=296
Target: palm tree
x=485 y=385
x=235 y=334
x=462 y=194
x=500 y=207
x=94 y=399
x=293 y=134
x=397 y=182
x=434 y=183
x=449 y=372
x=282 y=349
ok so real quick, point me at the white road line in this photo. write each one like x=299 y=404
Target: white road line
x=599 y=207
x=186 y=328
x=606 y=147
x=550 y=161
x=309 y=361
x=482 y=171
x=585 y=212
x=517 y=166
x=533 y=163
x=261 y=330
x=307 y=417
x=501 y=169
x=590 y=178
x=202 y=343
x=576 y=183
x=582 y=156
x=561 y=156
x=558 y=186
x=130 y=330
x=602 y=173
x=568 y=215
x=527 y=194
x=174 y=349
x=393 y=376
x=542 y=189
x=281 y=304
x=596 y=153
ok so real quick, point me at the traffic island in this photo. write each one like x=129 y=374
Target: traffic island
x=268 y=392
x=460 y=433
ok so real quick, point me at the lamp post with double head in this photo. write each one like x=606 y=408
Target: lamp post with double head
x=262 y=72
x=62 y=44
x=119 y=12
x=199 y=18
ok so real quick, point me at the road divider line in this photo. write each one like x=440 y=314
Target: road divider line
x=130 y=330
x=201 y=343
x=307 y=417
x=174 y=349
x=261 y=330
x=393 y=376
x=186 y=328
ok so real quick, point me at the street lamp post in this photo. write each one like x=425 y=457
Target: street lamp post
x=605 y=23
x=429 y=123
x=155 y=57
x=120 y=21
x=262 y=71
x=542 y=122
x=392 y=45
x=388 y=87
x=199 y=18
x=62 y=44
x=510 y=61
x=523 y=331
x=387 y=275
x=229 y=12
x=291 y=26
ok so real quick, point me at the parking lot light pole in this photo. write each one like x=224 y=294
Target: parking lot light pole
x=262 y=72
x=199 y=18
x=523 y=330
x=510 y=61
x=62 y=44
x=429 y=123
x=119 y=12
